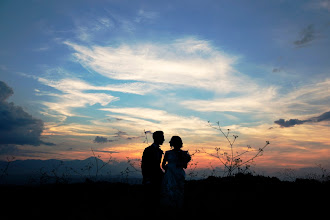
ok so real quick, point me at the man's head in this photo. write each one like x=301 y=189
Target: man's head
x=158 y=137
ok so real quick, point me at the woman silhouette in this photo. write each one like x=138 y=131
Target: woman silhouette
x=174 y=163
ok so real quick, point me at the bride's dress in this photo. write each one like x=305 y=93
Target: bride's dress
x=173 y=182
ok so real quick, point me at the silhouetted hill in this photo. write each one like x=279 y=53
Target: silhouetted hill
x=50 y=171
x=252 y=194
x=242 y=195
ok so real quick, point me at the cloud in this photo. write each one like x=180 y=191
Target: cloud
x=324 y=117
x=5 y=92
x=77 y=129
x=292 y=122
x=90 y=26
x=145 y=16
x=187 y=62
x=319 y=4
x=101 y=140
x=307 y=35
x=74 y=96
x=17 y=126
x=137 y=119
x=87 y=26
x=305 y=100
x=120 y=135
x=76 y=93
x=124 y=135
x=324 y=4
x=106 y=151
x=277 y=70
x=71 y=84
x=254 y=102
x=289 y=123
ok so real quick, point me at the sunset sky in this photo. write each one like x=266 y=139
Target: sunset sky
x=82 y=74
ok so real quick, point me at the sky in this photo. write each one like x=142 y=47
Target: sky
x=104 y=75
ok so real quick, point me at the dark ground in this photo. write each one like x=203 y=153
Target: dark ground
x=243 y=195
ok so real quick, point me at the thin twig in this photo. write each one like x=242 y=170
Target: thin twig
x=233 y=162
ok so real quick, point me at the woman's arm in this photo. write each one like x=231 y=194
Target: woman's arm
x=164 y=162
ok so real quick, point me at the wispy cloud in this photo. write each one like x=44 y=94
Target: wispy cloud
x=306 y=100
x=88 y=27
x=73 y=96
x=319 y=4
x=138 y=119
x=307 y=35
x=73 y=84
x=75 y=93
x=197 y=64
x=254 y=102
x=77 y=129
x=146 y=16
x=187 y=62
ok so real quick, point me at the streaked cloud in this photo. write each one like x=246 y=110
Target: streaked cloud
x=88 y=27
x=74 y=84
x=140 y=119
x=307 y=100
x=72 y=96
x=75 y=93
x=187 y=62
x=255 y=102
x=77 y=129
x=319 y=5
x=145 y=16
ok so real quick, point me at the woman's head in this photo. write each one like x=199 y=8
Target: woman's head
x=176 y=142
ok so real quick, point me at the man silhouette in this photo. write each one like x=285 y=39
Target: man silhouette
x=151 y=171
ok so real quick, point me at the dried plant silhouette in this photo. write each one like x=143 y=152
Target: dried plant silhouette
x=234 y=163
x=103 y=164
x=4 y=171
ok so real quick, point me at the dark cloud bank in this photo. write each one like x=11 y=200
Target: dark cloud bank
x=17 y=127
x=292 y=122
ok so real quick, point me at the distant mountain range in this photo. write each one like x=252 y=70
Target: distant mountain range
x=49 y=171
x=94 y=169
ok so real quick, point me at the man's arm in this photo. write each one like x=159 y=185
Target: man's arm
x=146 y=163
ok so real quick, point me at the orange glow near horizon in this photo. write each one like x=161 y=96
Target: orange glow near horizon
x=272 y=157
x=288 y=147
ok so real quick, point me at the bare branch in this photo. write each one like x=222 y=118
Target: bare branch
x=230 y=162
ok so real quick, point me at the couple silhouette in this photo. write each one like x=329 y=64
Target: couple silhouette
x=164 y=190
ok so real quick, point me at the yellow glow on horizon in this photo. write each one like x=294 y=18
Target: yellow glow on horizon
x=294 y=147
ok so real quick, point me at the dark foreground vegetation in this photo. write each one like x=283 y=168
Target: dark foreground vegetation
x=242 y=195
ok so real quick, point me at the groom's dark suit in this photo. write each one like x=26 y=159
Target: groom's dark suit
x=151 y=159
x=152 y=174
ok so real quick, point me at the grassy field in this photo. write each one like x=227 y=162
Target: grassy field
x=244 y=195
